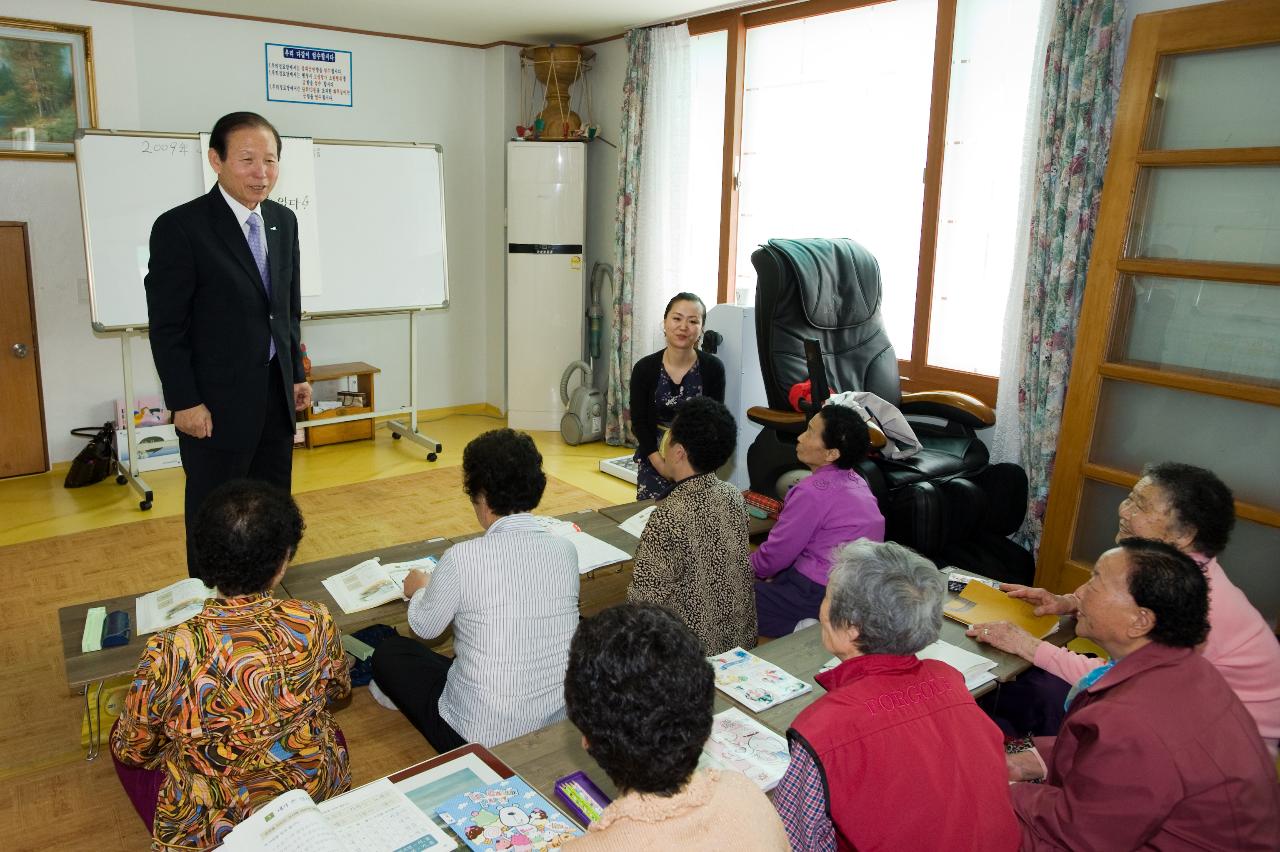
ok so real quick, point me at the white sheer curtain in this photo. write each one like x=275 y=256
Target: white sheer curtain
x=662 y=228
x=1006 y=443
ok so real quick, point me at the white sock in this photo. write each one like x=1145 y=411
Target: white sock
x=381 y=697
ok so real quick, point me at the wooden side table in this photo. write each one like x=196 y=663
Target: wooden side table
x=351 y=430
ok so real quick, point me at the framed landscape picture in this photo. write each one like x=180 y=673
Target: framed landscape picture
x=46 y=87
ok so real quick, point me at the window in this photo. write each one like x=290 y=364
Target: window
x=845 y=121
x=706 y=146
x=835 y=121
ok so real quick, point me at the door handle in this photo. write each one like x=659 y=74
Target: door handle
x=19 y=350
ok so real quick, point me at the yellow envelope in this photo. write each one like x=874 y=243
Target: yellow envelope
x=979 y=603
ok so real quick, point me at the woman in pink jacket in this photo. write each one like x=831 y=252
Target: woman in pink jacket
x=1191 y=509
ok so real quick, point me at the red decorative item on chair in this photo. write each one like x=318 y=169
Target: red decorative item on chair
x=801 y=392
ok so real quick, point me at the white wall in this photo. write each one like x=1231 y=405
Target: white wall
x=169 y=71
x=607 y=75
x=502 y=114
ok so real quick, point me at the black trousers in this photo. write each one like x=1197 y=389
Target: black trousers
x=270 y=461
x=413 y=676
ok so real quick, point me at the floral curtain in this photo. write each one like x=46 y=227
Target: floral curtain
x=1081 y=82
x=617 y=429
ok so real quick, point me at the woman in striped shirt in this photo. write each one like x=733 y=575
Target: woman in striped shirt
x=512 y=598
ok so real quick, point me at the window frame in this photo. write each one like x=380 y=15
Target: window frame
x=916 y=373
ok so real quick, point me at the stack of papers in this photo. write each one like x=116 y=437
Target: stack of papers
x=974 y=668
x=979 y=604
x=172 y=605
x=592 y=552
x=739 y=743
x=753 y=682
x=371 y=583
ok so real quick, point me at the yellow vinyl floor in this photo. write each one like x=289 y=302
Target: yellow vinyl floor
x=35 y=507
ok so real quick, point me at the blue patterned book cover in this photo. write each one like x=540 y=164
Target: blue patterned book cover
x=507 y=815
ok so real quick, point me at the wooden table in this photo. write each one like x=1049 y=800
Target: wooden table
x=600 y=588
x=802 y=654
x=550 y=753
x=83 y=668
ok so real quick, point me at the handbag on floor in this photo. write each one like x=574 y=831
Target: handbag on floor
x=95 y=461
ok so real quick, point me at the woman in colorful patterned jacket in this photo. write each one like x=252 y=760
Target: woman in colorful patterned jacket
x=229 y=708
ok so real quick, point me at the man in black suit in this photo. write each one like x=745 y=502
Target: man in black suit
x=224 y=305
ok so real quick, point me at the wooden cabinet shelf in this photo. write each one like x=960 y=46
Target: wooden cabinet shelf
x=351 y=430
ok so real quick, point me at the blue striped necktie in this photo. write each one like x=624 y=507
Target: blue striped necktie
x=259 y=251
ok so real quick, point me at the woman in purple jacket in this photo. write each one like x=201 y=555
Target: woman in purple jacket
x=832 y=507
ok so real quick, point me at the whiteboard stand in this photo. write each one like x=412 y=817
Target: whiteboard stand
x=131 y=474
x=398 y=428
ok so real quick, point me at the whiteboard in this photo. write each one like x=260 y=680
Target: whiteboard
x=379 y=215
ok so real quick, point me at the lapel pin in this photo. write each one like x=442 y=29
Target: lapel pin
x=273 y=227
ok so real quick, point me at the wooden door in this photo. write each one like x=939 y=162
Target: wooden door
x=1178 y=352
x=23 y=448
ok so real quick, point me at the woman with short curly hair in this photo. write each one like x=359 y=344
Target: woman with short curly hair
x=229 y=708
x=641 y=693
x=512 y=598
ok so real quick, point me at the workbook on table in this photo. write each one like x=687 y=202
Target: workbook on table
x=592 y=552
x=751 y=681
x=171 y=605
x=374 y=818
x=979 y=604
x=974 y=668
x=739 y=743
x=507 y=815
x=371 y=583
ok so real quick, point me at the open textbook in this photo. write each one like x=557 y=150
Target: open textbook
x=371 y=583
x=974 y=668
x=758 y=685
x=374 y=818
x=592 y=552
x=171 y=605
x=739 y=743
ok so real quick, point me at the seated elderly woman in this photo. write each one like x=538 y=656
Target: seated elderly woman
x=1156 y=751
x=832 y=507
x=512 y=598
x=1191 y=509
x=228 y=709
x=692 y=556
x=896 y=755
x=641 y=693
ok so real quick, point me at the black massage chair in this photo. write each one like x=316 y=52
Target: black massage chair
x=947 y=501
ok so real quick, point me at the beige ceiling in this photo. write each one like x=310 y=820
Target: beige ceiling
x=472 y=21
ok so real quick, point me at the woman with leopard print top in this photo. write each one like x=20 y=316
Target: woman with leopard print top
x=693 y=554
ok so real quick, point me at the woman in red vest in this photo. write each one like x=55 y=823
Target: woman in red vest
x=896 y=755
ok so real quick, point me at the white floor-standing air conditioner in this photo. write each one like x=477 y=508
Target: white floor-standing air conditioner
x=546 y=290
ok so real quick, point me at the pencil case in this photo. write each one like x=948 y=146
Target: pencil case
x=582 y=797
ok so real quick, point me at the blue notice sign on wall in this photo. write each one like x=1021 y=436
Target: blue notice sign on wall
x=308 y=75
